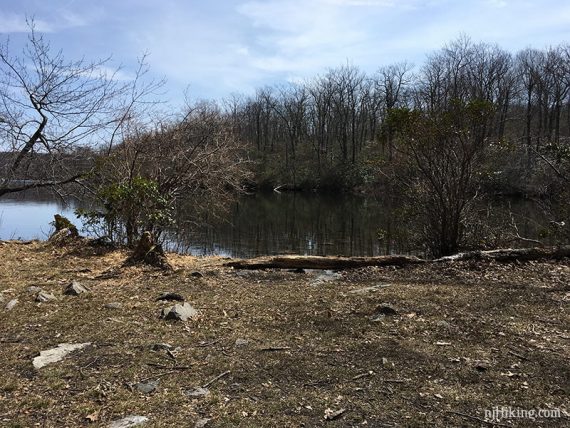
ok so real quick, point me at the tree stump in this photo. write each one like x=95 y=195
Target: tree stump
x=149 y=252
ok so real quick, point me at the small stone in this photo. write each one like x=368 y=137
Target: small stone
x=75 y=289
x=10 y=305
x=182 y=312
x=113 y=305
x=170 y=296
x=201 y=423
x=147 y=387
x=44 y=297
x=240 y=343
x=197 y=274
x=129 y=421
x=198 y=392
x=162 y=347
x=34 y=289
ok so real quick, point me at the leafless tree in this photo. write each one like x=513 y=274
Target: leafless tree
x=54 y=111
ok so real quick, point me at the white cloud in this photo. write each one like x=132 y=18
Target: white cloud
x=18 y=23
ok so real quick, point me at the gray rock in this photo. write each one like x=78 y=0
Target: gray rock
x=75 y=289
x=201 y=423
x=56 y=354
x=182 y=312
x=147 y=387
x=162 y=347
x=129 y=421
x=171 y=296
x=113 y=305
x=240 y=343
x=34 y=289
x=10 y=305
x=198 y=392
x=383 y=311
x=44 y=297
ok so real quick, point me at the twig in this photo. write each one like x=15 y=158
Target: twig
x=475 y=418
x=516 y=354
x=360 y=376
x=216 y=379
x=275 y=348
x=204 y=345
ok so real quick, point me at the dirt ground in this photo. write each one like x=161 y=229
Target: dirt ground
x=283 y=349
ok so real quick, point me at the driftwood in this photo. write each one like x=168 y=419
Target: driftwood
x=320 y=262
x=342 y=263
x=511 y=254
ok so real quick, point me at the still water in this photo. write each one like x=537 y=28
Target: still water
x=260 y=224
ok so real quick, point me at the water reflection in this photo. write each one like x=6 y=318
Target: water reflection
x=265 y=224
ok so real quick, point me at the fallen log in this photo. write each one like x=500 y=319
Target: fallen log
x=342 y=263
x=322 y=262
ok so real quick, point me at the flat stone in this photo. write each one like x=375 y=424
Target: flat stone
x=198 y=392
x=171 y=296
x=147 y=387
x=44 y=297
x=57 y=354
x=113 y=305
x=182 y=312
x=75 y=289
x=129 y=421
x=10 y=305
x=33 y=289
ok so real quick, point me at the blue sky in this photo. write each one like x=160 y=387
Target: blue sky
x=219 y=47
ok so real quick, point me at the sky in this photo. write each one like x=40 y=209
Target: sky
x=213 y=48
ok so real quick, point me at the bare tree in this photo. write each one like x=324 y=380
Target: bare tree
x=54 y=110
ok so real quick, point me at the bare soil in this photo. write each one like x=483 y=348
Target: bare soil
x=294 y=349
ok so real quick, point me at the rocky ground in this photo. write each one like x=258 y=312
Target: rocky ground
x=425 y=345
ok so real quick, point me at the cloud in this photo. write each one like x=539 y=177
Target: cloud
x=11 y=22
x=18 y=23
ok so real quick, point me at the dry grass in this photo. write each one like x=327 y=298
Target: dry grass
x=468 y=336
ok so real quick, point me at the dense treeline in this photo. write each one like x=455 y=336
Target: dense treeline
x=324 y=132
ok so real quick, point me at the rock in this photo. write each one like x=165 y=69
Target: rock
x=57 y=354
x=201 y=423
x=383 y=311
x=113 y=305
x=10 y=305
x=182 y=312
x=75 y=289
x=32 y=289
x=129 y=421
x=44 y=297
x=198 y=392
x=170 y=296
x=197 y=274
x=240 y=343
x=162 y=347
x=147 y=387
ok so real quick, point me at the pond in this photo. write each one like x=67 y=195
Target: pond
x=259 y=224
